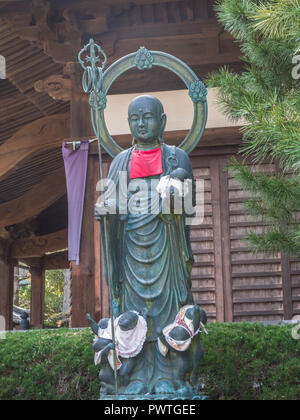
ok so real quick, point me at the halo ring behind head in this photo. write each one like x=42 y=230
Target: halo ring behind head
x=144 y=59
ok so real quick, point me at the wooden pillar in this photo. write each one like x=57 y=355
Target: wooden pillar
x=216 y=206
x=223 y=271
x=83 y=298
x=102 y=293
x=226 y=245
x=6 y=288
x=287 y=288
x=37 y=301
x=84 y=295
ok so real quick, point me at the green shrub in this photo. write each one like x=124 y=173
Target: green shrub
x=241 y=361
x=48 y=365
x=251 y=362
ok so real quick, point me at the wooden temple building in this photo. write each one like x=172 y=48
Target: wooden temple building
x=42 y=104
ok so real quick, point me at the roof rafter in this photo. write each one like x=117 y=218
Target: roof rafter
x=41 y=135
x=33 y=202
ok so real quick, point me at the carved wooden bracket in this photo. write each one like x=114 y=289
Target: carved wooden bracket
x=58 y=27
x=4 y=234
x=57 y=86
x=38 y=246
x=44 y=134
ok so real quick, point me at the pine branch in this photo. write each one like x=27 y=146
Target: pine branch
x=266 y=97
x=236 y=16
x=279 y=19
x=275 y=242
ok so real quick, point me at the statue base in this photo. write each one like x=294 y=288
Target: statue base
x=170 y=397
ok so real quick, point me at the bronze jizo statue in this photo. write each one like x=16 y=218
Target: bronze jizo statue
x=150 y=261
x=150 y=347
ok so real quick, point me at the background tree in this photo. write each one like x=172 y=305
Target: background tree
x=266 y=96
x=279 y=19
x=54 y=297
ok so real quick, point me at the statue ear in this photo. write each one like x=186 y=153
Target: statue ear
x=133 y=140
x=163 y=127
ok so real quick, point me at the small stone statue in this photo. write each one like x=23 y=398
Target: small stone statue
x=182 y=338
x=24 y=324
x=130 y=336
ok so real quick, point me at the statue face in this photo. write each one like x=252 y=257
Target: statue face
x=146 y=119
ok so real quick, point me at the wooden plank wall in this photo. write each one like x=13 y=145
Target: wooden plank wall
x=229 y=281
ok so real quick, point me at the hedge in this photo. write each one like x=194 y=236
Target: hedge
x=241 y=362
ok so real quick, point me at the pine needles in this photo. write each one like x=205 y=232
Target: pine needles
x=266 y=97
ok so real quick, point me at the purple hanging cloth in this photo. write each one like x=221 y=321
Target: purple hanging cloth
x=76 y=162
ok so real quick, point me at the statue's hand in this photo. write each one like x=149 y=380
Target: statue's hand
x=174 y=192
x=106 y=350
x=180 y=174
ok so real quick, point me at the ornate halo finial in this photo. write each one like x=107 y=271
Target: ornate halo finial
x=198 y=91
x=144 y=59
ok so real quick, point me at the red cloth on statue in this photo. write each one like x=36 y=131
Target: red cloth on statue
x=146 y=163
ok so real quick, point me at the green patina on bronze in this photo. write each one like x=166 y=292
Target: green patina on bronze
x=148 y=256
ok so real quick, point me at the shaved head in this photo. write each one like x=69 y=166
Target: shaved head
x=152 y=102
x=147 y=120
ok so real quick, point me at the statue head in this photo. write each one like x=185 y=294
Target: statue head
x=128 y=321
x=147 y=120
x=197 y=315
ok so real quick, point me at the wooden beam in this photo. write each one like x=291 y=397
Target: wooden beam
x=213 y=137
x=37 y=246
x=205 y=28
x=76 y=3
x=159 y=79
x=33 y=202
x=41 y=135
x=57 y=261
x=192 y=49
x=138 y=2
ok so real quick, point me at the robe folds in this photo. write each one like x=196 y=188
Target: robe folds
x=150 y=257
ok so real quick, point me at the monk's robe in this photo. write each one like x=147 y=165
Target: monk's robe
x=150 y=258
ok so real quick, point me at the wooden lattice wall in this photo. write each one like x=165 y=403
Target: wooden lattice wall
x=229 y=281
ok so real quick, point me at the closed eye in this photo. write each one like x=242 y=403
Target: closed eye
x=148 y=115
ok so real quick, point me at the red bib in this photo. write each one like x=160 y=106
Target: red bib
x=146 y=163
